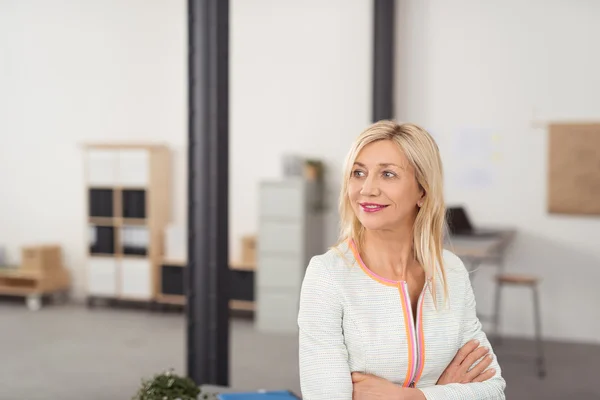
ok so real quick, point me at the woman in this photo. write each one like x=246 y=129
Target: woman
x=385 y=312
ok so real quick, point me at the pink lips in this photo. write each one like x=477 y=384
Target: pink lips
x=372 y=207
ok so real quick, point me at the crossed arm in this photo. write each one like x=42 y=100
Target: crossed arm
x=321 y=343
x=490 y=388
x=463 y=369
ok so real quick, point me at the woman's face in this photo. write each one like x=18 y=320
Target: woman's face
x=383 y=189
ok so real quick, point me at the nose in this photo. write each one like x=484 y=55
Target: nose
x=370 y=187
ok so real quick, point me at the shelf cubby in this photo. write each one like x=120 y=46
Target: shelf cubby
x=102 y=239
x=134 y=203
x=134 y=240
x=172 y=278
x=101 y=203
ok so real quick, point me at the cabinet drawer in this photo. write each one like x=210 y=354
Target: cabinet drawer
x=134 y=168
x=277 y=311
x=282 y=200
x=102 y=167
x=280 y=237
x=102 y=277
x=279 y=271
x=136 y=281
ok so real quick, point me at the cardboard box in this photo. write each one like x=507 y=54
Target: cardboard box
x=41 y=258
x=248 y=249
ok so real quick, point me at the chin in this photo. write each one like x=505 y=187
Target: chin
x=375 y=228
x=374 y=224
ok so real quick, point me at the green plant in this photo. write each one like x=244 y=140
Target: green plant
x=170 y=386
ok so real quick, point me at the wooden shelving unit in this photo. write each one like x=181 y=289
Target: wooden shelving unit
x=241 y=305
x=128 y=196
x=171 y=299
x=41 y=273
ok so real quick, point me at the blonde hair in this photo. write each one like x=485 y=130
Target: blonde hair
x=423 y=154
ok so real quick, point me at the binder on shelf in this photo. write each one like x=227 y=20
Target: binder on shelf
x=102 y=239
x=135 y=240
x=134 y=203
x=101 y=203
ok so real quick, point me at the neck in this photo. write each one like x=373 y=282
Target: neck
x=390 y=252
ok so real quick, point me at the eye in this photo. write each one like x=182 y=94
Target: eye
x=357 y=173
x=389 y=174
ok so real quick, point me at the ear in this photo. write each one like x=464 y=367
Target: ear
x=421 y=199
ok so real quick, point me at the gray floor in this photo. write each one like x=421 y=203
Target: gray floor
x=69 y=352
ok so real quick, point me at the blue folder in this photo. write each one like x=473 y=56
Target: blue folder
x=276 y=395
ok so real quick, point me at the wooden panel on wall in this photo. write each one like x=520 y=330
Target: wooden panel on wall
x=574 y=168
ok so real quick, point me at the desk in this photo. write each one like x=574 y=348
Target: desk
x=474 y=251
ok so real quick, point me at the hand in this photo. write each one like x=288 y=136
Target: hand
x=458 y=370
x=371 y=387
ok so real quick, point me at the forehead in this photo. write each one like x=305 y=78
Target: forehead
x=381 y=151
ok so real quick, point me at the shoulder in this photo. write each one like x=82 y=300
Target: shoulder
x=452 y=261
x=323 y=282
x=334 y=262
x=453 y=265
x=332 y=268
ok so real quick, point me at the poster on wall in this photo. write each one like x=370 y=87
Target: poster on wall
x=574 y=168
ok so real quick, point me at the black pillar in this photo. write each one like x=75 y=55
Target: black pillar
x=383 y=59
x=206 y=285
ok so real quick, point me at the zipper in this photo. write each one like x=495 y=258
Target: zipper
x=414 y=336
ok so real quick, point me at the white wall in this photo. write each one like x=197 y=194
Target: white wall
x=300 y=83
x=74 y=72
x=484 y=68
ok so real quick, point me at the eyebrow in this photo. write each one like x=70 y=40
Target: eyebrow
x=383 y=165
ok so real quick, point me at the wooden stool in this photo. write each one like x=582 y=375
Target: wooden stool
x=532 y=283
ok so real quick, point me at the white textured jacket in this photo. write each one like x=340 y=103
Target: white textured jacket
x=351 y=320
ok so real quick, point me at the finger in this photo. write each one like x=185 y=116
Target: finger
x=473 y=357
x=479 y=368
x=357 y=377
x=485 y=375
x=465 y=351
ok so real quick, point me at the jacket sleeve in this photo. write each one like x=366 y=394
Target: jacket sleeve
x=324 y=368
x=493 y=388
